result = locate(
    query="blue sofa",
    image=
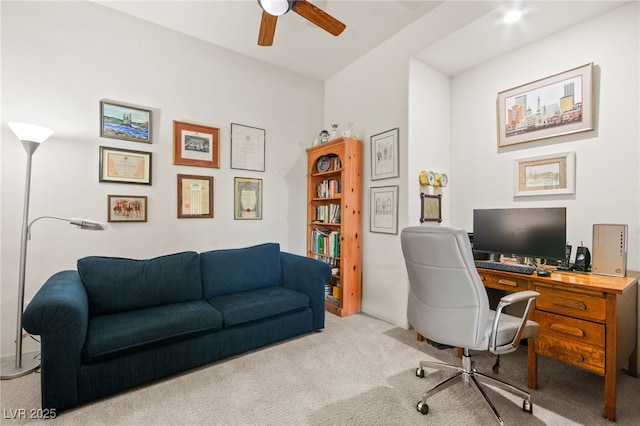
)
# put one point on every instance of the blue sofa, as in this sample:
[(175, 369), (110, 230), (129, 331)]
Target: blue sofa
[(118, 323)]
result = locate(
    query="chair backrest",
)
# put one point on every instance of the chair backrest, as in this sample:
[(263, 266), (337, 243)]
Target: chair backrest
[(447, 300)]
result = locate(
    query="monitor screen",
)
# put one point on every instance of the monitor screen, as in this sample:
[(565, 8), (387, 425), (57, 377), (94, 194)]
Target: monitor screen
[(531, 232)]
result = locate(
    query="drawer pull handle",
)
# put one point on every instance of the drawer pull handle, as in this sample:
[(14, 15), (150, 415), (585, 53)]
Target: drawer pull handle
[(567, 354), (567, 303), (508, 282), (565, 329)]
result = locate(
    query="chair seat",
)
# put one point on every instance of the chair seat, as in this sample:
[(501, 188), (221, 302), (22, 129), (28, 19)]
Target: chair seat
[(507, 329)]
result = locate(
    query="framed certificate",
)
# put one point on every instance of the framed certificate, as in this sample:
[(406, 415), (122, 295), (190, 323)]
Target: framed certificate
[(195, 197), (124, 166)]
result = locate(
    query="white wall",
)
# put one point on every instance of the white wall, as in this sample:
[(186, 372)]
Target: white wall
[(59, 59), (607, 187)]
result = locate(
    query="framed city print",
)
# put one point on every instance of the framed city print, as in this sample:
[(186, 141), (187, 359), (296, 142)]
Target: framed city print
[(549, 174), (196, 145), (430, 208), (124, 166), (552, 106), (247, 204), (195, 197), (384, 155), (247, 147), (126, 208), (125, 122), (384, 209)]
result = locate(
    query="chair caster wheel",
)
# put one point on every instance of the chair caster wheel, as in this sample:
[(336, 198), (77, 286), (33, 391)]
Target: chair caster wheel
[(527, 406), (420, 372), (422, 407)]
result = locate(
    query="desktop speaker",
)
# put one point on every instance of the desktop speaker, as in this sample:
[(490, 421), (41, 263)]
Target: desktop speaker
[(583, 259), (610, 250)]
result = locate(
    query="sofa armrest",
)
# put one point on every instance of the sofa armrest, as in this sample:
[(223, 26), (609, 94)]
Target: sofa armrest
[(59, 314), (307, 276)]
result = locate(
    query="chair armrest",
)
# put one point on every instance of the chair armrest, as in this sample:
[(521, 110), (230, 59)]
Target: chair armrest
[(307, 276), (528, 296)]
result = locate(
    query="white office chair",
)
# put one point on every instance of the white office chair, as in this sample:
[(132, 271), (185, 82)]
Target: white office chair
[(448, 304)]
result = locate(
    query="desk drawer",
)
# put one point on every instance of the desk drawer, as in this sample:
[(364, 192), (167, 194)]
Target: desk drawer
[(580, 355), (572, 304), (508, 283), (561, 327)]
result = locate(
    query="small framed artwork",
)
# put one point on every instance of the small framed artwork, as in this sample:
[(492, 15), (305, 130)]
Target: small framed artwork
[(247, 147), (550, 174), (125, 122), (430, 208), (126, 208), (247, 198), (196, 145), (195, 197), (384, 155), (384, 209), (552, 106), (124, 166)]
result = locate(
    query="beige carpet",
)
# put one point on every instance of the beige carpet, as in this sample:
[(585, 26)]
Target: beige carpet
[(358, 371)]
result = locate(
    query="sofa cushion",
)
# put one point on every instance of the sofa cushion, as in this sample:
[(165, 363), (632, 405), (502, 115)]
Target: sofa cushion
[(252, 305), (114, 335), (116, 284), (237, 270)]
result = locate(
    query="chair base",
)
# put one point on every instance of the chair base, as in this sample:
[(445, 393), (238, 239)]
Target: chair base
[(469, 375)]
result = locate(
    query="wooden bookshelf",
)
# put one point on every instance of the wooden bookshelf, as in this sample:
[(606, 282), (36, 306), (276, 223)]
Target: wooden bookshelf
[(334, 219)]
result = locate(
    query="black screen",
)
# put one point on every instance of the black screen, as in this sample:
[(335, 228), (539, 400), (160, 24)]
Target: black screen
[(532, 232)]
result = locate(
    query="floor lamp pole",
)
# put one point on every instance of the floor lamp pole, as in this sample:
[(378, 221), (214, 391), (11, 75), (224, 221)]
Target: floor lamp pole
[(21, 368)]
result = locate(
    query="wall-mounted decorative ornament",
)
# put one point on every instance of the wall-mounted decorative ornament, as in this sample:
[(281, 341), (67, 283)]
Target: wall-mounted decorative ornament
[(437, 180)]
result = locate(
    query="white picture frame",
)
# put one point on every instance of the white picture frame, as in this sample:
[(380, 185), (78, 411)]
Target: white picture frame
[(551, 174)]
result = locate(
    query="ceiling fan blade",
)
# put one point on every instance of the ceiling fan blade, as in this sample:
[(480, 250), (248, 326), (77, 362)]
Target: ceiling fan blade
[(318, 17), (267, 29)]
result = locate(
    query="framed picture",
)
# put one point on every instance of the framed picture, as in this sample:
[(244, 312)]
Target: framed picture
[(125, 122), (126, 208), (384, 155), (196, 145), (384, 209), (430, 208), (124, 166), (544, 175), (553, 106), (247, 147), (247, 202), (195, 197)]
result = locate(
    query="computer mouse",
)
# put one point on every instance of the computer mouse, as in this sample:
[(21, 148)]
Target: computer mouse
[(543, 273)]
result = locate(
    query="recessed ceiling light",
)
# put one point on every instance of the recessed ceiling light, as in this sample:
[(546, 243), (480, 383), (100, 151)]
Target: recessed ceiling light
[(513, 16)]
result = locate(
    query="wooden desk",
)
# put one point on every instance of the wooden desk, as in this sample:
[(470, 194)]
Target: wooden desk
[(586, 320)]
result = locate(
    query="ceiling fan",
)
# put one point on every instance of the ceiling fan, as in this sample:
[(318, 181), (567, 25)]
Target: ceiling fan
[(271, 9)]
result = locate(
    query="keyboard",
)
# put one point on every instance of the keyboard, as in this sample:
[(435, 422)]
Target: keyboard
[(507, 267)]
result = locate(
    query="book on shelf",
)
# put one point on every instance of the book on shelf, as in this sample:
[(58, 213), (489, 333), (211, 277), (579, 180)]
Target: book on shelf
[(325, 242), (328, 213), (328, 188)]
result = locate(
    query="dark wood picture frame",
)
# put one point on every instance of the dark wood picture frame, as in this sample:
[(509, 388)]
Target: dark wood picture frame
[(195, 197), (430, 208), (126, 208)]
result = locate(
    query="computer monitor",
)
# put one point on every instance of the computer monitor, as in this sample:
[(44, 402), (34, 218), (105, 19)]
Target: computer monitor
[(528, 232)]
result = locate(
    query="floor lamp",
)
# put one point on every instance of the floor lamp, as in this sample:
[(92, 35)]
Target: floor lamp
[(31, 137)]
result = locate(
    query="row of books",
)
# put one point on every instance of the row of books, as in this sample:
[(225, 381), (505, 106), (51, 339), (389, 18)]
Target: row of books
[(328, 213), (325, 242), (328, 188)]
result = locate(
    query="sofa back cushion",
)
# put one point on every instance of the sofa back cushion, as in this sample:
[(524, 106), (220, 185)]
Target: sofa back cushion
[(116, 284), (235, 270)]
